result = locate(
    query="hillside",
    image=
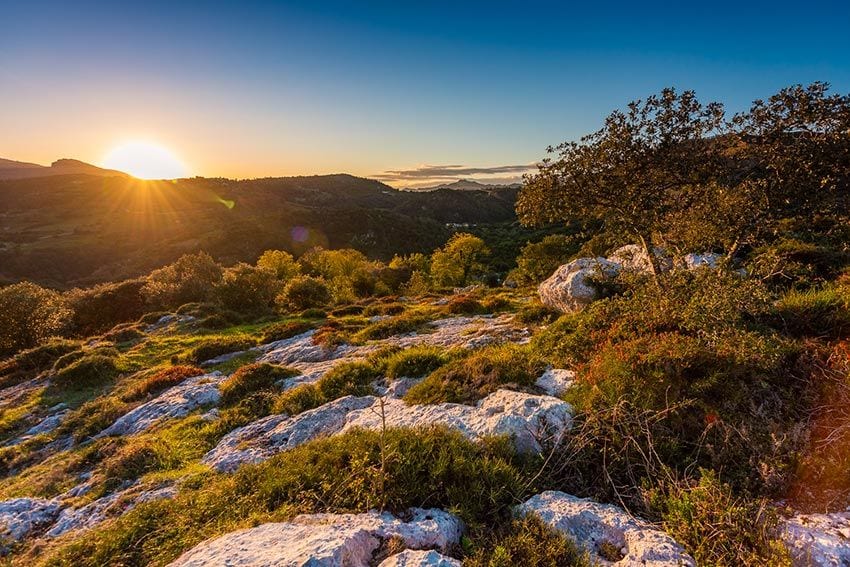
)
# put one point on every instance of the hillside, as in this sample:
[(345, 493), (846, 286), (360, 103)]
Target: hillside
[(10, 169), (81, 229)]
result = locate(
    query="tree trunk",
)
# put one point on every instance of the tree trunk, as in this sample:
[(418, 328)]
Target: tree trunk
[(653, 261)]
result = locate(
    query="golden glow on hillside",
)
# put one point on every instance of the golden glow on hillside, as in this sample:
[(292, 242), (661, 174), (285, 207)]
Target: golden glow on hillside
[(145, 160)]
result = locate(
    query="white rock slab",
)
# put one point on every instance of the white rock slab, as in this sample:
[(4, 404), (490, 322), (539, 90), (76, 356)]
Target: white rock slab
[(419, 558), (175, 402), (324, 540), (818, 540), (555, 381), (592, 525), (21, 516)]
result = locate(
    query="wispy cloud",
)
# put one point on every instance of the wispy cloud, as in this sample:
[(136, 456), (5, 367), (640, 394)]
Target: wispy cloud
[(435, 174)]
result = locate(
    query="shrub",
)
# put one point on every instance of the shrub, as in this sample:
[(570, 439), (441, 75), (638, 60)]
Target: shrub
[(252, 378), (130, 461), (483, 372), (313, 313), (464, 305), (280, 263), (539, 260), (415, 362), (393, 308), (348, 310), (45, 355), (396, 325), (213, 348), (191, 278), (159, 381), (536, 313), (102, 307), (124, 333), (281, 331), (29, 314), (718, 528), (821, 312), (494, 304), (434, 468), (298, 400), (529, 541), (246, 289), (347, 379), (303, 292), (89, 370), (460, 261)]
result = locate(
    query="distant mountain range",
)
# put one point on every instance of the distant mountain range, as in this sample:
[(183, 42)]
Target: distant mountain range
[(10, 169), (466, 185)]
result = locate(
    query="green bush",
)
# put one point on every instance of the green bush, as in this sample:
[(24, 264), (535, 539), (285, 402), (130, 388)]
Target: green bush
[(89, 370), (536, 313), (252, 378), (718, 528), (393, 308), (298, 400), (538, 260), (102, 307), (469, 379), (304, 292), (30, 314), (44, 355), (529, 541), (347, 379), (159, 381), (213, 348), (464, 305), (435, 468), (247, 289), (396, 325), (281, 331), (823, 312), (191, 278), (124, 333), (313, 313), (415, 362)]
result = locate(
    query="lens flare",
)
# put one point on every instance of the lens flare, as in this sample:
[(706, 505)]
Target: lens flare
[(145, 160)]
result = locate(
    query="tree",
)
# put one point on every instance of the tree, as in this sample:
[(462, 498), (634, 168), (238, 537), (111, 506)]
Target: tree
[(281, 263), (191, 278), (460, 260), (674, 172), (539, 259), (633, 172), (248, 289), (30, 314), (304, 292)]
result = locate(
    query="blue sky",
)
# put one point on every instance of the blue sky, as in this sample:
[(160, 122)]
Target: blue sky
[(277, 88)]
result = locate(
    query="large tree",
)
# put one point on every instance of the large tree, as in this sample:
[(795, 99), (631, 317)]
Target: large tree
[(674, 172)]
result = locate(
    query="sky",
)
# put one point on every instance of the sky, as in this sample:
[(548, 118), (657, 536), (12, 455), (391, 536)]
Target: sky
[(412, 93)]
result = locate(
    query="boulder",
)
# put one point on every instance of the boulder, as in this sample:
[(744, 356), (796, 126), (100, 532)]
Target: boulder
[(706, 260), (555, 381), (818, 540), (633, 258), (270, 435), (326, 540), (606, 532), (419, 558), (570, 288), (175, 402), (527, 418), (21, 516)]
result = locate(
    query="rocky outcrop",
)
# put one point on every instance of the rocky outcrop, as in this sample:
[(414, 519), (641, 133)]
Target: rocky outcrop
[(706, 260), (419, 558), (528, 419), (818, 540), (633, 258), (326, 540), (21, 516), (555, 381), (175, 402), (270, 435), (607, 533), (571, 287)]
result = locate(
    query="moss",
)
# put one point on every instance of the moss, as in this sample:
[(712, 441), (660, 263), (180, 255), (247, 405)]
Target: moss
[(469, 379), (251, 379), (89, 370)]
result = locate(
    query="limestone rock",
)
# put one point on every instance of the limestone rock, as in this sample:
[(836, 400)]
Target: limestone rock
[(634, 258), (707, 260), (270, 435), (325, 540), (20, 516), (570, 288), (527, 418), (419, 558), (175, 402), (555, 381), (602, 529), (818, 540)]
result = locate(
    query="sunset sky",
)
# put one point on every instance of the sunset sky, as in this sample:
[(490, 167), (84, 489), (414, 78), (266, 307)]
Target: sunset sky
[(412, 93)]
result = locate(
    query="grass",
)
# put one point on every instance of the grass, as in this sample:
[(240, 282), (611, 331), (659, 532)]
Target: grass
[(158, 381), (528, 541), (89, 370), (469, 379), (414, 362), (345, 379), (251, 379), (407, 322), (435, 468)]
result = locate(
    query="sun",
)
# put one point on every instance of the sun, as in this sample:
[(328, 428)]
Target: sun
[(145, 160)]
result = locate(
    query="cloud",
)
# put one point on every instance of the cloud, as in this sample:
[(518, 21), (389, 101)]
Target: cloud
[(435, 174)]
